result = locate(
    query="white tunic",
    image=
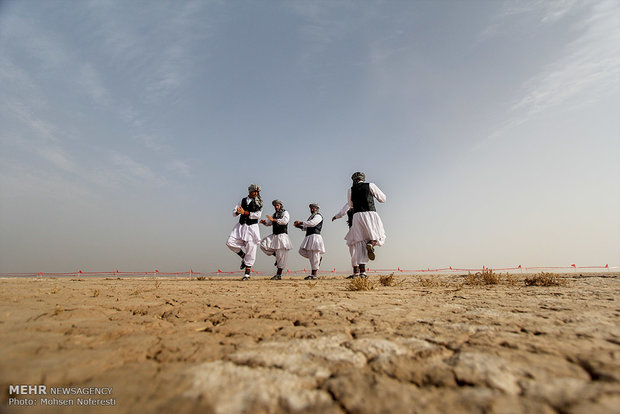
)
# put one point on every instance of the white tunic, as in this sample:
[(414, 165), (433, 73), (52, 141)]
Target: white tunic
[(312, 241), (367, 225), (245, 232), (278, 241)]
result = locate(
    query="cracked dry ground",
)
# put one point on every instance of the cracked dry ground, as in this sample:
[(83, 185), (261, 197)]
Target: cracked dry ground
[(223, 346)]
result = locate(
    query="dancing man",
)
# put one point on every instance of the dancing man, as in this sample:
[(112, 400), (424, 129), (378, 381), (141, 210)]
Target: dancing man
[(246, 234), (312, 246), (277, 244), (367, 230)]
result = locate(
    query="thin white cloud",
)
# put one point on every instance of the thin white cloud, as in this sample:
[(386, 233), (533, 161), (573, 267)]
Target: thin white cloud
[(59, 158), (40, 130), (133, 170), (90, 80), (11, 74), (322, 29), (37, 137), (35, 181), (152, 142), (587, 70), (179, 167), (158, 54), (538, 11), (546, 11)]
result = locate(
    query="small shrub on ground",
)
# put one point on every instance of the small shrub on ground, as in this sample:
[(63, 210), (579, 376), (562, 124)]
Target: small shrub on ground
[(511, 280), (486, 277), (424, 282), (544, 279), (387, 280), (360, 284)]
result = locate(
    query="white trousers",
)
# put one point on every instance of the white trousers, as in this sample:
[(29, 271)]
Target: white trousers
[(250, 248), (352, 254), (281, 255), (313, 255), (359, 254)]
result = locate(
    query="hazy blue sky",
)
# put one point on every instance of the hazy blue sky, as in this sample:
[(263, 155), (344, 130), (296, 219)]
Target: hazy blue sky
[(129, 129)]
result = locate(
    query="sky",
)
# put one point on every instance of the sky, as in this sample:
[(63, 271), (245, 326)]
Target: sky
[(129, 130)]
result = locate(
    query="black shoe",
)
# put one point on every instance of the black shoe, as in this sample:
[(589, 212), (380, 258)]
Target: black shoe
[(242, 265), (363, 275), (276, 277), (310, 277), (246, 277), (371, 251), (353, 276)]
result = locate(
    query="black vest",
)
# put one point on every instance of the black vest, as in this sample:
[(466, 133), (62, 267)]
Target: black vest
[(279, 228), (362, 198), (252, 208), (316, 229)]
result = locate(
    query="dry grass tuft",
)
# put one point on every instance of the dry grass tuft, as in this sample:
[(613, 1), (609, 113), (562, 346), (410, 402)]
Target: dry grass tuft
[(544, 279), (511, 280), (428, 282), (360, 283), (486, 277), (201, 278), (95, 293), (387, 280)]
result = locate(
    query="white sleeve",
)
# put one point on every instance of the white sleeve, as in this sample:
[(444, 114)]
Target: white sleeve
[(343, 211), (311, 223), (378, 194), (235, 214), (255, 215), (284, 220)]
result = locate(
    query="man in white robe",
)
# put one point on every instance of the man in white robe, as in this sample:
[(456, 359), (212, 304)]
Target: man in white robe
[(312, 246), (277, 244), (246, 234), (366, 230)]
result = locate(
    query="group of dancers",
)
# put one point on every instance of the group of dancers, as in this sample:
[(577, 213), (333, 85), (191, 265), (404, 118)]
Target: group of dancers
[(365, 230)]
